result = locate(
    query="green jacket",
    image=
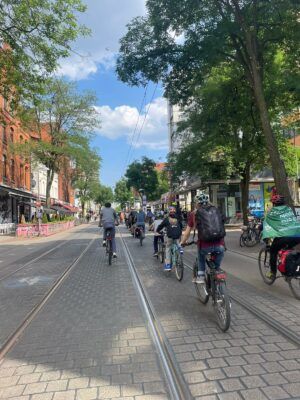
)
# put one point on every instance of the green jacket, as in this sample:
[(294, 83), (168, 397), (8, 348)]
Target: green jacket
[(281, 222)]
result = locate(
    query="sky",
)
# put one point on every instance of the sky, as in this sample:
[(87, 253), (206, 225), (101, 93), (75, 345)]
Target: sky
[(126, 134)]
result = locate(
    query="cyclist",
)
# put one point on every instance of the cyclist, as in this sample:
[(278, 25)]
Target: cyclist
[(108, 219), (154, 226), (174, 232), (205, 246), (282, 225), (140, 220)]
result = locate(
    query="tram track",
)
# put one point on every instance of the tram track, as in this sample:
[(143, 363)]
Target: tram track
[(16, 334), (276, 325), (174, 378)]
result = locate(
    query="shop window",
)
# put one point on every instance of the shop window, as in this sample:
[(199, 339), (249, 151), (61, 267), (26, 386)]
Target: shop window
[(12, 170), (4, 137), (4, 166)]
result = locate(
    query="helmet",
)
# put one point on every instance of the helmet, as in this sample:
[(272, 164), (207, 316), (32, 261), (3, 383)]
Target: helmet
[(277, 200), (202, 199)]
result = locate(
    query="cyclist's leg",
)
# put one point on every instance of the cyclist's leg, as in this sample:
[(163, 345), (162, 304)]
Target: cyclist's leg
[(155, 244), (219, 257), (202, 252), (169, 242), (277, 244)]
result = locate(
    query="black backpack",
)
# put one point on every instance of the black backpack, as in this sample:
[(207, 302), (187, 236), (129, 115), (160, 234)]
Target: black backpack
[(292, 264), (210, 224), (173, 229)]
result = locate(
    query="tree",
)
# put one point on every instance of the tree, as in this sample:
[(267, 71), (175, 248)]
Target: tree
[(103, 195), (247, 33), (142, 175), (34, 36), (63, 120), (122, 193), (163, 184), (224, 140), (86, 174)]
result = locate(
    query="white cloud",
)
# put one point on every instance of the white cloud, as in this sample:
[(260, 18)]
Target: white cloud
[(107, 19), (121, 122)]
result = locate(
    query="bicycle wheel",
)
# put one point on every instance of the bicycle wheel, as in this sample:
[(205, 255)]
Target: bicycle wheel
[(242, 244), (161, 253), (110, 253), (264, 265), (222, 306), (294, 284), (179, 268), (201, 290), (250, 238)]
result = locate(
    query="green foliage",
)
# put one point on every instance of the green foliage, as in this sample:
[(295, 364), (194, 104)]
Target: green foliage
[(44, 219), (104, 194), (122, 194), (63, 120), (142, 175), (163, 184), (37, 33)]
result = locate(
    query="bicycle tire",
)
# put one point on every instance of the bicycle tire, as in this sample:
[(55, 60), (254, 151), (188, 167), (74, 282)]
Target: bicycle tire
[(222, 306), (264, 265), (179, 267), (294, 284), (250, 238), (201, 290), (110, 253), (242, 244), (162, 255)]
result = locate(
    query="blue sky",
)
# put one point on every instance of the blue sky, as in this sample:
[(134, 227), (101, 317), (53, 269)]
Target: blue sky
[(118, 104)]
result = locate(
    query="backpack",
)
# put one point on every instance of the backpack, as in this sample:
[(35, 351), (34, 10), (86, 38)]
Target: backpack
[(173, 229), (282, 255), (210, 224), (292, 264)]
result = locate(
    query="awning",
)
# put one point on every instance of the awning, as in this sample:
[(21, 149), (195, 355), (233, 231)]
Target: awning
[(17, 192)]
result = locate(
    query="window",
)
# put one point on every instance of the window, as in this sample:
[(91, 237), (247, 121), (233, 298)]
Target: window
[(27, 178), (11, 135), (4, 166), (12, 170), (21, 175), (4, 137)]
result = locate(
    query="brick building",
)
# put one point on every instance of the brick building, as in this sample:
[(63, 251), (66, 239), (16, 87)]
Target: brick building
[(15, 193)]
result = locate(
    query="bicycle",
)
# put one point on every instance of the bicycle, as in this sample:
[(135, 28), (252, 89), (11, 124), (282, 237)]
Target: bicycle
[(251, 233), (161, 254), (139, 234), (108, 245), (176, 260), (265, 268), (215, 287)]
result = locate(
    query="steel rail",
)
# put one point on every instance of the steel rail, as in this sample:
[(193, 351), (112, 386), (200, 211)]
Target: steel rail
[(277, 326), (177, 386), (14, 337)]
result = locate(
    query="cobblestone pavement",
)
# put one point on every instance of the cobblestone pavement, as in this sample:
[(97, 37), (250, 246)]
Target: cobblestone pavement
[(90, 341), (250, 361)]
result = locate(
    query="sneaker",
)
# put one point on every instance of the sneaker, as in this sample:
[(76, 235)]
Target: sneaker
[(114, 255), (104, 243), (155, 255), (194, 279), (180, 250), (200, 279), (270, 275), (168, 267)]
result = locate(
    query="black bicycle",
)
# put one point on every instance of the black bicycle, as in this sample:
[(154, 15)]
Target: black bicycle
[(251, 233), (139, 234), (161, 254), (109, 251), (215, 287)]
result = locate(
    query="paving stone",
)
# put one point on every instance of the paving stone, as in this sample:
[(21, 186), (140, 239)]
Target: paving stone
[(121, 378), (33, 388), (214, 374), (42, 396), (7, 372), (275, 393), (205, 388), (291, 376), (56, 386), (194, 377), (132, 390), (78, 383), (253, 394), (152, 397), (253, 381), (9, 381), (107, 392), (154, 387), (12, 391), (292, 388), (140, 377), (191, 366), (87, 394), (232, 384), (67, 395), (274, 379), (216, 362), (230, 396)]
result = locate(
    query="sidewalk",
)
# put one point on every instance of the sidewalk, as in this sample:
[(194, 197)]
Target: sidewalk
[(89, 341)]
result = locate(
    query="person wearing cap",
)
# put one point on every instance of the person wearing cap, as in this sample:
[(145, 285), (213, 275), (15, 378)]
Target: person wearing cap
[(204, 248)]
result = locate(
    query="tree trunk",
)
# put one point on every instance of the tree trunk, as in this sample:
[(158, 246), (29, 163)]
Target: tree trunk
[(245, 192), (278, 168), (83, 207), (50, 177)]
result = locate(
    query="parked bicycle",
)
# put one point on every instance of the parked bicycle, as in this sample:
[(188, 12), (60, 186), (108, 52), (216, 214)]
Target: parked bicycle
[(287, 268), (214, 287), (251, 233)]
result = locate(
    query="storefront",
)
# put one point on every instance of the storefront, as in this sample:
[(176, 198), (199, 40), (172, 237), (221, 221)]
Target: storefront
[(15, 205), (227, 197)]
